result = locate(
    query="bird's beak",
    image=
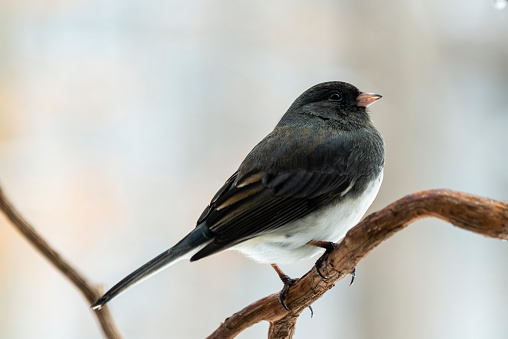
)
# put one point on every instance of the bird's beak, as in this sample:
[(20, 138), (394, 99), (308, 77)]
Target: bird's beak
[(365, 99)]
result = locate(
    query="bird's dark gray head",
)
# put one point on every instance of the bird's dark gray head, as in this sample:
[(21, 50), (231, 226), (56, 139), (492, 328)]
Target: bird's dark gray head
[(336, 101)]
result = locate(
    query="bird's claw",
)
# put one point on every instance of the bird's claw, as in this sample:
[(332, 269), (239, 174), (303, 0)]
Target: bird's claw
[(283, 293), (353, 275), (288, 282), (329, 247)]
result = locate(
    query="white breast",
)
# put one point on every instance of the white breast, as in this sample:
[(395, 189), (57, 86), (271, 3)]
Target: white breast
[(288, 243)]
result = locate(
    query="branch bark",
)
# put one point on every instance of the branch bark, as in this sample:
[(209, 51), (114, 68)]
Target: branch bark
[(476, 214), (90, 291)]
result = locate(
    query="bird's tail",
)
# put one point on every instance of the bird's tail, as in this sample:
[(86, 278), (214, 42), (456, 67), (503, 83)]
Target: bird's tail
[(188, 245)]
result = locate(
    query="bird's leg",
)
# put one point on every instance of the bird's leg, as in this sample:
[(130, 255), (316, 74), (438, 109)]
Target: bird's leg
[(287, 281), (329, 247)]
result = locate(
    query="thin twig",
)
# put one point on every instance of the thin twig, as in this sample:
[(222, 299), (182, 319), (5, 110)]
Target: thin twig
[(89, 290), (480, 215)]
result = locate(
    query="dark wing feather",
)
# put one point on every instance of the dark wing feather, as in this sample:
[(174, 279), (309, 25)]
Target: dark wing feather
[(260, 208)]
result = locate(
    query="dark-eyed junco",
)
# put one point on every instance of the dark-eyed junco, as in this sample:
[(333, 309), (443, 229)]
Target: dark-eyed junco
[(307, 183)]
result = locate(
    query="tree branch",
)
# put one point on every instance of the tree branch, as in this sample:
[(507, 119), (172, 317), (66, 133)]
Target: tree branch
[(89, 290), (480, 215)]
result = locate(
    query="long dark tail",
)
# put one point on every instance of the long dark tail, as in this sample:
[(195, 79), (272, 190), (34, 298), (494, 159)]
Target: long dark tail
[(199, 236)]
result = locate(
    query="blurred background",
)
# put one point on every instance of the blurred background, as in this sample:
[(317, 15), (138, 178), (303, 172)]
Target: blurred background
[(119, 120)]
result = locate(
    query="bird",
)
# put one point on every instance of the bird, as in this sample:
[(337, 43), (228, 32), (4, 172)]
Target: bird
[(300, 188)]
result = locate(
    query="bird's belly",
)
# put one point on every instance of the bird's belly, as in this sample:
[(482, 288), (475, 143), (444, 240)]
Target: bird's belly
[(289, 242)]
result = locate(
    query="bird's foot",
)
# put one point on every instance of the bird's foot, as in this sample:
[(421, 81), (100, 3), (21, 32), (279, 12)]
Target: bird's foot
[(329, 247), (288, 282)]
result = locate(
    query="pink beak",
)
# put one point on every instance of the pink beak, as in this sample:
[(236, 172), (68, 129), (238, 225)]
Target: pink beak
[(365, 99)]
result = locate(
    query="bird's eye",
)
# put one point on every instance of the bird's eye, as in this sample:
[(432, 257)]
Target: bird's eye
[(335, 97)]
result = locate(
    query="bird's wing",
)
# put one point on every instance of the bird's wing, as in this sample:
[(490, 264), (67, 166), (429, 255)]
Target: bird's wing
[(259, 201)]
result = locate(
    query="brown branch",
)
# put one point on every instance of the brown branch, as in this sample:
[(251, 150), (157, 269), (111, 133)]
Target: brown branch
[(480, 215), (89, 290), (284, 328)]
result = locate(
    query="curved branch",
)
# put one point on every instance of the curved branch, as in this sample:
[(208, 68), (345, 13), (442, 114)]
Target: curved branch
[(480, 215), (89, 290)]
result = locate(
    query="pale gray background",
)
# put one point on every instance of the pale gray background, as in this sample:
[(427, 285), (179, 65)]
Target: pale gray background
[(120, 119)]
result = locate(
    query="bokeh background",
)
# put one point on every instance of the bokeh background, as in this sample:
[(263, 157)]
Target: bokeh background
[(120, 119)]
